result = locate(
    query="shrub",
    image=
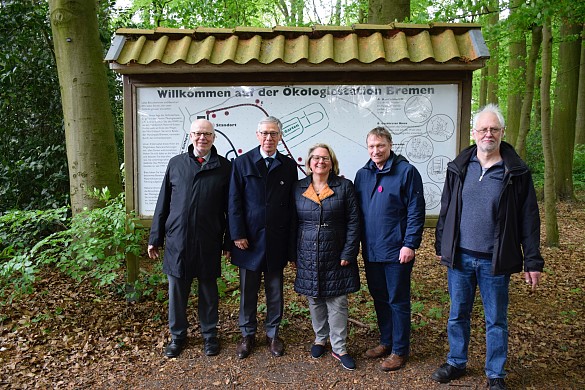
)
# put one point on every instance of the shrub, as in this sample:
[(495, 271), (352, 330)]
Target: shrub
[(93, 247)]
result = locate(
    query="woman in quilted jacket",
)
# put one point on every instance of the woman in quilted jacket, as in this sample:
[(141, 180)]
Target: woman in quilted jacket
[(327, 246)]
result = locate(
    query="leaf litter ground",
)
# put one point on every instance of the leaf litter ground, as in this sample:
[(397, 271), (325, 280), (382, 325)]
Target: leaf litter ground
[(70, 335)]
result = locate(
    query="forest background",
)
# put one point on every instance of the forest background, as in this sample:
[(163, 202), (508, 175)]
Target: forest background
[(56, 219)]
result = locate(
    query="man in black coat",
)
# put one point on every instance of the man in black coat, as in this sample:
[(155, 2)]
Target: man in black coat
[(260, 214), (190, 218)]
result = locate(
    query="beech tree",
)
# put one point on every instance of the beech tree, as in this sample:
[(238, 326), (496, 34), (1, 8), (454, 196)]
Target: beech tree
[(550, 212), (384, 11), (89, 126)]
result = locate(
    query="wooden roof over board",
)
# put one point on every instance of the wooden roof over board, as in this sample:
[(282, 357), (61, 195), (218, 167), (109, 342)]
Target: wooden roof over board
[(361, 47)]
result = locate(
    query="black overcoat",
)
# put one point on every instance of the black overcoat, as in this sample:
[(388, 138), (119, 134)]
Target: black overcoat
[(260, 210), (190, 216)]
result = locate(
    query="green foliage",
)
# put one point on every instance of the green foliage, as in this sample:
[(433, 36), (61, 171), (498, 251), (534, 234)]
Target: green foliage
[(33, 163), (93, 247), (579, 168)]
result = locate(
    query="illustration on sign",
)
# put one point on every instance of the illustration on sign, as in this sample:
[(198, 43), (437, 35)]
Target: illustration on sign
[(421, 119)]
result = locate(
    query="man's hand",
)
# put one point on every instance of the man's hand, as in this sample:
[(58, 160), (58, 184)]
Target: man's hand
[(406, 255), (242, 243), (153, 252), (344, 263), (227, 254), (532, 278)]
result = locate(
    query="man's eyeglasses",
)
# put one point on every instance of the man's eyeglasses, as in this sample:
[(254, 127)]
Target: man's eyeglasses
[(493, 130), (205, 134), (322, 158), (266, 134)]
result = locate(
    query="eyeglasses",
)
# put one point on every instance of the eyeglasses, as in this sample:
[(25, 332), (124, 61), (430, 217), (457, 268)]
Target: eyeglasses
[(266, 134), (321, 158), (205, 134), (493, 130)]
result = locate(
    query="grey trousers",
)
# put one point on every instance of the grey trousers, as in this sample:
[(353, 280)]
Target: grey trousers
[(207, 308), (329, 318), (249, 288)]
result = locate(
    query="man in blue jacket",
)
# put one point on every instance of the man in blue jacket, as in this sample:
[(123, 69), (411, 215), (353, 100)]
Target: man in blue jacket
[(488, 228), (260, 214), (392, 205), (190, 219)]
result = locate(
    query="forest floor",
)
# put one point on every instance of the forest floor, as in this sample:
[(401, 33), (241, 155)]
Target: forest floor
[(71, 335)]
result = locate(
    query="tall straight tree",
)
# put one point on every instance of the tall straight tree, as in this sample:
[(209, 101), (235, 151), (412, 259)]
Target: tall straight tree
[(530, 86), (493, 67), (580, 120), (550, 204), (385, 11), (565, 108), (89, 126), (516, 70)]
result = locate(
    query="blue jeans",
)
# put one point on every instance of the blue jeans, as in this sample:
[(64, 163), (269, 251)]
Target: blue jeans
[(389, 285), (466, 275)]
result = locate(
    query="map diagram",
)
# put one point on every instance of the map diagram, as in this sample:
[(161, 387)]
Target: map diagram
[(421, 119)]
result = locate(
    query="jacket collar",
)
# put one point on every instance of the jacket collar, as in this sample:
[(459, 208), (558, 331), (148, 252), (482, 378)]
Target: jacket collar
[(213, 161), (332, 181), (392, 160), (512, 161)]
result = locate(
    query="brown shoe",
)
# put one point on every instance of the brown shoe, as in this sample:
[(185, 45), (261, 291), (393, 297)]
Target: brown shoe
[(394, 362), (378, 352), (245, 346), (275, 346)]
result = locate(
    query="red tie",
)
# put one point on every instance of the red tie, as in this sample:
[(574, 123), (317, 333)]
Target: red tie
[(200, 160)]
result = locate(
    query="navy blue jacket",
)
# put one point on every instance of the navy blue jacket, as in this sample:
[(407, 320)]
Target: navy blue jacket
[(392, 207), (261, 209), (326, 234), (190, 216), (517, 227)]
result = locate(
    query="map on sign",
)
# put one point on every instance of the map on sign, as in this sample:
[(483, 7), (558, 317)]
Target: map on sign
[(421, 118)]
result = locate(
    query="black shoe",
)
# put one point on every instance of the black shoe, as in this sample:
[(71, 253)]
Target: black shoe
[(245, 346), (497, 384), (446, 373), (211, 346), (275, 346), (175, 347), (317, 350)]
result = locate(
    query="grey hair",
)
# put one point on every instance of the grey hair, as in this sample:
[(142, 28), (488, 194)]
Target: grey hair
[(494, 109), (380, 132), (270, 119)]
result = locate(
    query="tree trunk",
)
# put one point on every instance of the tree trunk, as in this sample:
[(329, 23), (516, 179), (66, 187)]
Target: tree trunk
[(483, 87), (550, 211), (388, 11), (565, 109), (580, 119), (528, 99), (89, 126), (516, 71), (494, 47)]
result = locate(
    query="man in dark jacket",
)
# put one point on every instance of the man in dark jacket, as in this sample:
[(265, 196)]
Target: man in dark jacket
[(488, 228), (391, 199), (190, 218), (260, 214)]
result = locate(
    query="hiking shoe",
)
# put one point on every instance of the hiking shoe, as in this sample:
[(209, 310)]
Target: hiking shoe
[(497, 384), (347, 361), (317, 350), (446, 373)]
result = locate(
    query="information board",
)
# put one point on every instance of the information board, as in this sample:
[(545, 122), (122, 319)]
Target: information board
[(422, 119)]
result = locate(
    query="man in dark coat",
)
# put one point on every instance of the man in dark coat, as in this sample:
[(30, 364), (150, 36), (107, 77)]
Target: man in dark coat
[(390, 193), (488, 228), (190, 218), (260, 202)]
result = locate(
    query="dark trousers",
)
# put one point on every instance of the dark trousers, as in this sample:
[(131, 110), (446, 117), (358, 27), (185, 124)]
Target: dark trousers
[(389, 285), (207, 308), (249, 287)]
